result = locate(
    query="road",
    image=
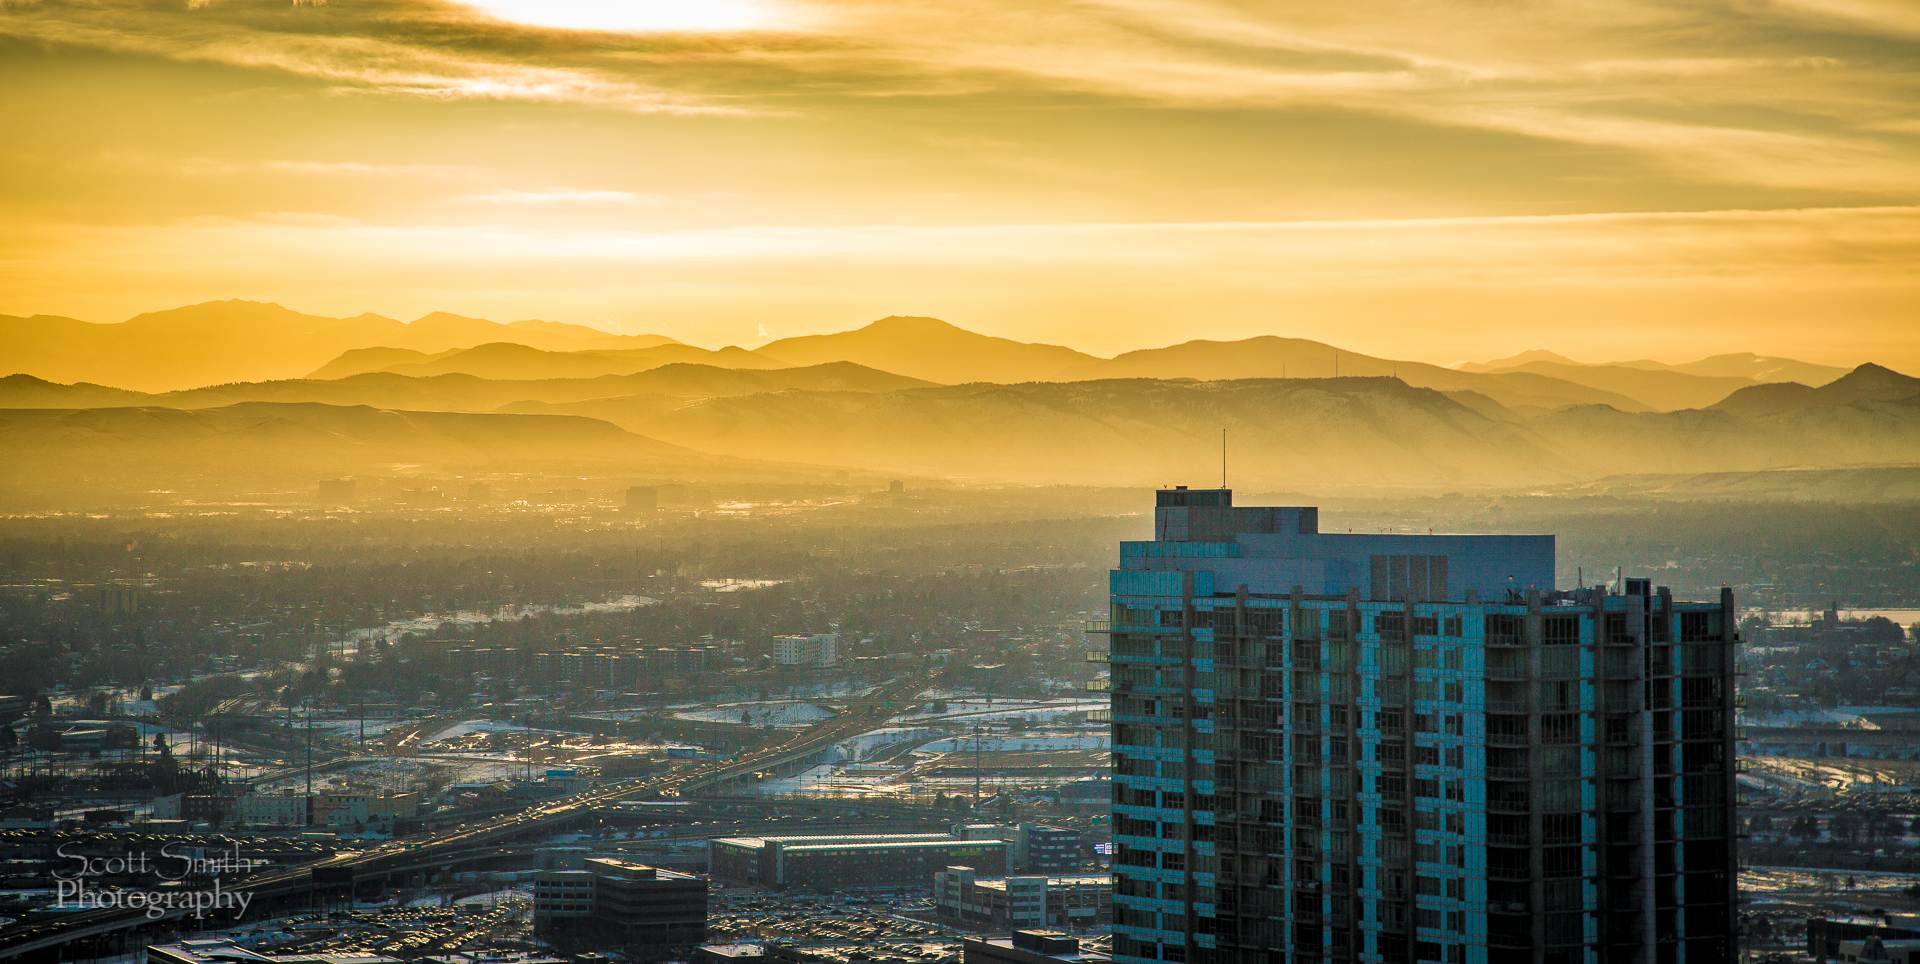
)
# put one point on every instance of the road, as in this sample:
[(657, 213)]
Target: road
[(431, 851)]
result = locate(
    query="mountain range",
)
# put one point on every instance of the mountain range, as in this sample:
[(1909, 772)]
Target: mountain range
[(241, 341), (903, 396), (228, 341)]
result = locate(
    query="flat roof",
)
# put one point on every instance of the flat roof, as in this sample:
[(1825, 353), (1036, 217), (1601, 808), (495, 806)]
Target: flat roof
[(801, 839), (1088, 956), (893, 845), (1068, 880)]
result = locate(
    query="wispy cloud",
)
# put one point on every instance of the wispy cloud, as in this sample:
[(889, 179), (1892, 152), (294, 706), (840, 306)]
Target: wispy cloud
[(1793, 94), (381, 47), (218, 167), (563, 197)]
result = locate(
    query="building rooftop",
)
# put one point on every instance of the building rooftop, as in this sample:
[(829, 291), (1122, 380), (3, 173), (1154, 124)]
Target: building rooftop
[(893, 844), (1273, 549), (621, 868), (219, 950), (1060, 880), (1053, 945), (794, 839)]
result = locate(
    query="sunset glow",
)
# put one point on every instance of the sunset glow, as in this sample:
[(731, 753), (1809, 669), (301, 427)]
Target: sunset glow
[(631, 15), (1404, 179)]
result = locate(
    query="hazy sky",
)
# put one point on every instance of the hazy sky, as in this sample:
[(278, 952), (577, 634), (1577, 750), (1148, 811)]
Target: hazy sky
[(1441, 180)]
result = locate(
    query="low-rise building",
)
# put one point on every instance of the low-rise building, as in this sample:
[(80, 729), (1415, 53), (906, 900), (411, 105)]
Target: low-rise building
[(1028, 947), (361, 809), (819, 650), (619, 900), (219, 950), (1873, 950), (1000, 903), (729, 954), (824, 862), (271, 810), (1827, 935), (1049, 850)]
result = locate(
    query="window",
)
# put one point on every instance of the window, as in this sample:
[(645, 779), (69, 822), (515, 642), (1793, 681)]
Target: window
[(1504, 630), (1561, 630)]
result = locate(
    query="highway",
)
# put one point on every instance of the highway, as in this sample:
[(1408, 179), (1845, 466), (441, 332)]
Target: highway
[(434, 850)]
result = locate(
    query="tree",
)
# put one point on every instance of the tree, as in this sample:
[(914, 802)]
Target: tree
[(9, 740)]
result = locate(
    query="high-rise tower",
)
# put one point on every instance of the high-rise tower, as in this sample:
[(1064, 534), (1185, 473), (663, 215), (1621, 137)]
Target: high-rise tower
[(1337, 747)]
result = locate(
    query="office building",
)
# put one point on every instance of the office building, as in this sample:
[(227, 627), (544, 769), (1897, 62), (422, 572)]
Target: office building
[(1048, 850), (1340, 747), (1827, 936), (817, 651), (618, 900), (220, 950), (1075, 901), (826, 862), (272, 810), (1027, 947)]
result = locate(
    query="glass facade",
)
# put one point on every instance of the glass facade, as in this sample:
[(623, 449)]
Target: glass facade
[(1538, 776)]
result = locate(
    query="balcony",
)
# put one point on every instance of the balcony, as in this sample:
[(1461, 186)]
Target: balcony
[(1509, 738), (1515, 800), (1099, 627), (1097, 656), (1101, 685)]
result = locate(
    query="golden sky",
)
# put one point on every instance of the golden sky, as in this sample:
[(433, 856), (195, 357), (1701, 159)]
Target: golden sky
[(1425, 179)]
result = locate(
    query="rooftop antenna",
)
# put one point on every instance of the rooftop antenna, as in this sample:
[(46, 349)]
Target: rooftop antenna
[(1223, 458)]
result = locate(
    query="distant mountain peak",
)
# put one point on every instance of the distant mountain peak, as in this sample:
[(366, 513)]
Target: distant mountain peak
[(914, 323), (1528, 357), (1874, 370), (1874, 380)]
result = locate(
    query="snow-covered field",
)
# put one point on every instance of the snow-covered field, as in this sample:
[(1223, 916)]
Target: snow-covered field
[(470, 727), (1063, 741), (785, 714), (980, 709)]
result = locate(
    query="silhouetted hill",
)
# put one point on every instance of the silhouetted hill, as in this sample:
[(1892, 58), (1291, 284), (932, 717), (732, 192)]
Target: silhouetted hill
[(1515, 361), (1867, 383), (1357, 433), (931, 349), (1664, 389), (132, 450), (519, 362), (681, 378), (513, 361), (677, 382), (26, 391), (1376, 433), (1870, 416), (1269, 356), (225, 341), (361, 361), (1755, 368)]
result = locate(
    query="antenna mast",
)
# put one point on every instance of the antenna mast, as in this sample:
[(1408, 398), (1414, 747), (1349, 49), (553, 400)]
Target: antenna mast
[(1223, 458)]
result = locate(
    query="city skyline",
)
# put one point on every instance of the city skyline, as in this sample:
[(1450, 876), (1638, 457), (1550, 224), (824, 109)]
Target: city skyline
[(1563, 177)]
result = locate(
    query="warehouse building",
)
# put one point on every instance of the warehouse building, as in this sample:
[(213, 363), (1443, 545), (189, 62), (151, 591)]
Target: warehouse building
[(826, 862)]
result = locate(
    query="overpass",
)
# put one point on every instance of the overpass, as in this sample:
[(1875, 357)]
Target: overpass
[(484, 839)]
